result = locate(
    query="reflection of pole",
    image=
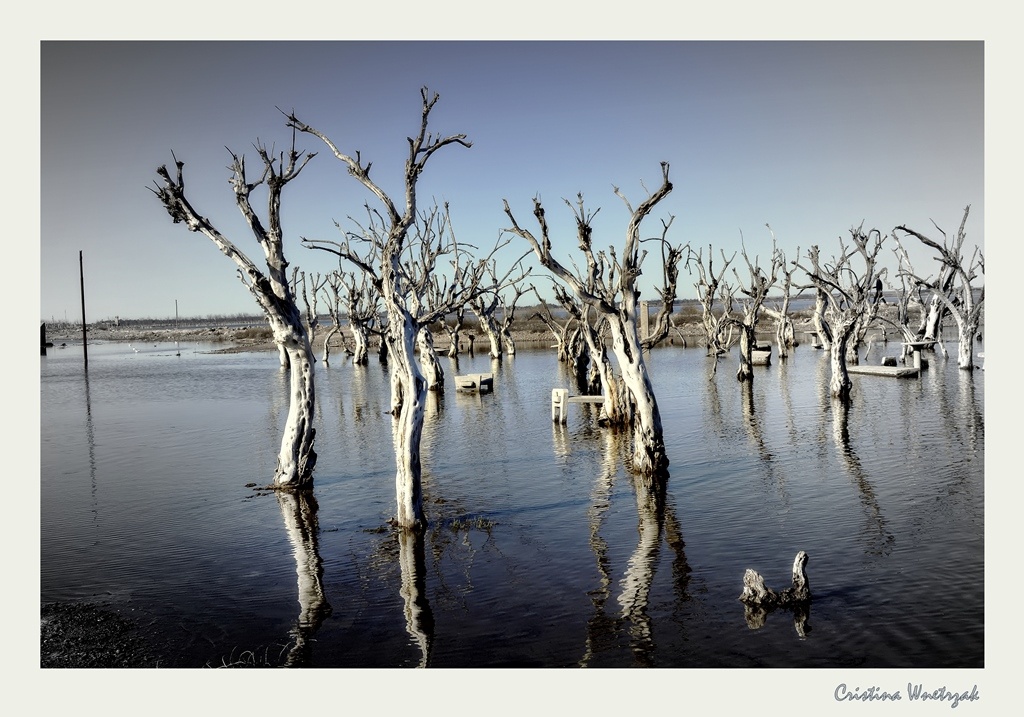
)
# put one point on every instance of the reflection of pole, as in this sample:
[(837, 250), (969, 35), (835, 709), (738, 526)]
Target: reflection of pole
[(81, 279), (419, 619), (91, 438)]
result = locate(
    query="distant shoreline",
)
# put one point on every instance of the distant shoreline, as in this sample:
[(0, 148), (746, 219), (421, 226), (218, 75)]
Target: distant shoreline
[(249, 338)]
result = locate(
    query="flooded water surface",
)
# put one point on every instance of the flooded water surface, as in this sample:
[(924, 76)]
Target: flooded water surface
[(541, 550)]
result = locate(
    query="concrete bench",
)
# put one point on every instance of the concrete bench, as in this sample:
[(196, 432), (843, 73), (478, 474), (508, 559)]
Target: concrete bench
[(475, 382), (761, 355), (560, 400)]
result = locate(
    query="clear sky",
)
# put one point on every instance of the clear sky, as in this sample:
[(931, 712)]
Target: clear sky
[(811, 137)]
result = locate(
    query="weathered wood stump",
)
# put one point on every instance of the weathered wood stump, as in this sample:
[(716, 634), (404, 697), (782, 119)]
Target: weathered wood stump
[(756, 593), (758, 600)]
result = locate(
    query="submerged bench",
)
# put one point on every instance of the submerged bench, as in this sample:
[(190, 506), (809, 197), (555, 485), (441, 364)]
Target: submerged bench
[(560, 400), (475, 382), (889, 366)]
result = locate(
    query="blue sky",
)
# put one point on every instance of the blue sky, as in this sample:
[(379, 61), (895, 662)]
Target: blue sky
[(810, 137)]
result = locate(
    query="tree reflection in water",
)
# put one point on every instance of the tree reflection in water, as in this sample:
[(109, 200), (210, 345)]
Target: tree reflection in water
[(879, 538), (757, 615), (419, 620), (655, 519), (299, 510)]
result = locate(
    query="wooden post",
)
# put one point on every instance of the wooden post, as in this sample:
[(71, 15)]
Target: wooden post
[(42, 339), (645, 320), (85, 336)]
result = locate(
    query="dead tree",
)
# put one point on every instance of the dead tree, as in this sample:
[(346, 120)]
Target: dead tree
[(484, 307), (454, 329), (756, 291), (848, 293), (362, 302), (600, 378), (785, 334), (561, 332), (508, 316), (391, 229), (332, 293), (608, 285), (670, 257), (312, 313), (819, 318), (908, 293), (958, 294), (713, 291), (866, 320), (296, 458)]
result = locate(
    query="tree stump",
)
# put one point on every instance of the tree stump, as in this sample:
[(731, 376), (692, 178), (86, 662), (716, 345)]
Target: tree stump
[(756, 593), (758, 599)]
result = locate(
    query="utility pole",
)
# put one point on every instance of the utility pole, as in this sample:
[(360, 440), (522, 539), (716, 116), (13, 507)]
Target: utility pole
[(85, 337)]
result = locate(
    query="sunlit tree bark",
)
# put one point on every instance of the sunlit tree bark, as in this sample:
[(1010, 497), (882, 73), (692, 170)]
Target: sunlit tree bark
[(296, 458)]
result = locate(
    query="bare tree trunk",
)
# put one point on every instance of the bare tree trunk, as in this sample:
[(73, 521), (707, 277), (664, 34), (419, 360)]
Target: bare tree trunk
[(649, 455), (612, 410), (361, 344), (490, 328), (334, 331), (820, 323), (745, 371), (296, 458), (453, 332), (968, 330), (432, 370), (839, 384), (407, 426), (508, 342)]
